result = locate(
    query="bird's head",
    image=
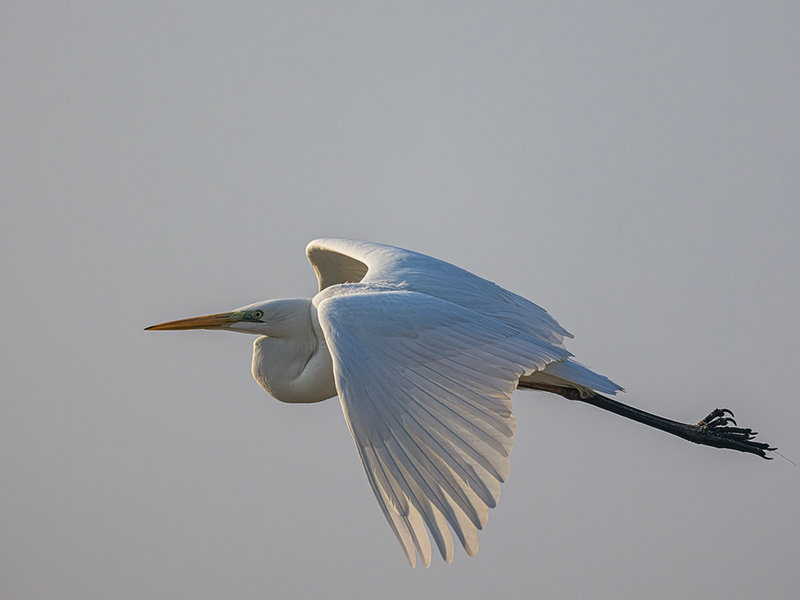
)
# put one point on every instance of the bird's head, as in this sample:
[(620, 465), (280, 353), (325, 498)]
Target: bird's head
[(262, 318)]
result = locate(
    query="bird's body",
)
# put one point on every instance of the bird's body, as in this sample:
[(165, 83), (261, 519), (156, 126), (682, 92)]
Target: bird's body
[(424, 357)]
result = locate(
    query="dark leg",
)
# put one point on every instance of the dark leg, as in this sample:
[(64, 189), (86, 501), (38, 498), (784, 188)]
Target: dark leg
[(713, 430)]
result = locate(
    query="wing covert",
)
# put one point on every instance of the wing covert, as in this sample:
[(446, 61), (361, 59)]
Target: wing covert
[(337, 261)]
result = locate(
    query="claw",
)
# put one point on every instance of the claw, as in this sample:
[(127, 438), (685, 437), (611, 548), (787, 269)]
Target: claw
[(717, 413), (720, 422), (716, 431)]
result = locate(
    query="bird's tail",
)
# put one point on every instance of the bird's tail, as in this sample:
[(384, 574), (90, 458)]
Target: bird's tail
[(571, 375)]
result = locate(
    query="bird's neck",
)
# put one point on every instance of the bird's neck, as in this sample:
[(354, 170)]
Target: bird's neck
[(293, 363)]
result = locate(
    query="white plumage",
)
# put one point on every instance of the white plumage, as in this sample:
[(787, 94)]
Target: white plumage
[(424, 357)]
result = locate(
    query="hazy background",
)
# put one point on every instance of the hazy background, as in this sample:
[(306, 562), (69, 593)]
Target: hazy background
[(632, 167)]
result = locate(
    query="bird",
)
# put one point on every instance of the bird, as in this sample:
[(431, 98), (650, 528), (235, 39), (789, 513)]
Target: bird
[(424, 357)]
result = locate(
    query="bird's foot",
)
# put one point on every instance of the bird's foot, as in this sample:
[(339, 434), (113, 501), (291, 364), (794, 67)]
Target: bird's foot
[(715, 430)]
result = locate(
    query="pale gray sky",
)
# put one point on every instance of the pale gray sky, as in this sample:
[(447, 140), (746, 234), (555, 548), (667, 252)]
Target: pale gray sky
[(630, 166)]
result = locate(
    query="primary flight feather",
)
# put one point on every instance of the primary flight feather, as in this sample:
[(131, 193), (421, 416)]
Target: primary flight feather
[(424, 357)]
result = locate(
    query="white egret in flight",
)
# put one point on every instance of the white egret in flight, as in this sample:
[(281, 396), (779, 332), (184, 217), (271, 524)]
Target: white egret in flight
[(424, 357)]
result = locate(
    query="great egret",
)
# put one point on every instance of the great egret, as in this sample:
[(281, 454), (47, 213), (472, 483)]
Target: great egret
[(424, 357)]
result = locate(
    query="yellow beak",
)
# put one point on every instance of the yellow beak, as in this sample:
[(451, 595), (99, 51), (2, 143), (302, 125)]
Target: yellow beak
[(207, 322)]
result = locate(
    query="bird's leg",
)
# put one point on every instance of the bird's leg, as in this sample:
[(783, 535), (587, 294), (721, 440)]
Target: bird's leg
[(713, 430)]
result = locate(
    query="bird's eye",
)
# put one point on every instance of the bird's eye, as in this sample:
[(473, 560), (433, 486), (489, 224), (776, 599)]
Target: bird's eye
[(257, 314)]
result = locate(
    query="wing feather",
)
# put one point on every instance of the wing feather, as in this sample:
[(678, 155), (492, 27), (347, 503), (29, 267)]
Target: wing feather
[(398, 519), (461, 456), (431, 466), (425, 387)]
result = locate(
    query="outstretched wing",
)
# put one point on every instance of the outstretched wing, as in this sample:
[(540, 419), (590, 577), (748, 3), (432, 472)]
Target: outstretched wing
[(346, 261), (425, 386)]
